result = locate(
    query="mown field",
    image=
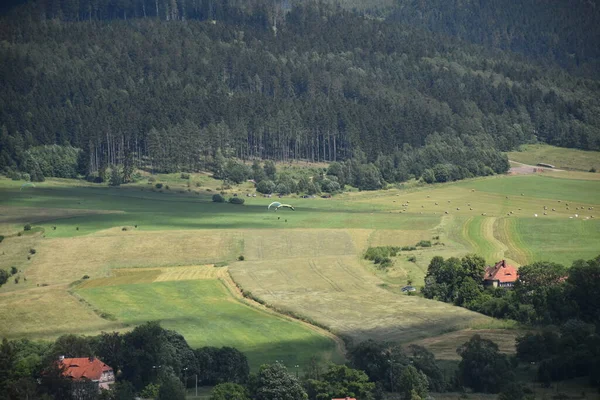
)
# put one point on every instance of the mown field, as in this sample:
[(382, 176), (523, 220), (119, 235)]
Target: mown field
[(143, 250)]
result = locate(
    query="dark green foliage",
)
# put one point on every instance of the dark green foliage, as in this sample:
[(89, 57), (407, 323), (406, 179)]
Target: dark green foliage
[(229, 391), (273, 382), (158, 185), (241, 258), (265, 187), (27, 227), (171, 388), (270, 169), (32, 251), (217, 198), (218, 365), (52, 160), (384, 363), (236, 200), (516, 391), (115, 176), (149, 349), (424, 361), (191, 119), (184, 175), (13, 270), (339, 381), (1, 238), (412, 382), (3, 276), (482, 367), (381, 255), (583, 290), (455, 281), (424, 243), (552, 32)]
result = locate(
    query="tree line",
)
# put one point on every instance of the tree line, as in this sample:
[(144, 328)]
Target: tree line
[(154, 363), (325, 85)]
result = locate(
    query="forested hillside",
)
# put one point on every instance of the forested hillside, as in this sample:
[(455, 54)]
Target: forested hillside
[(566, 32), (169, 83)]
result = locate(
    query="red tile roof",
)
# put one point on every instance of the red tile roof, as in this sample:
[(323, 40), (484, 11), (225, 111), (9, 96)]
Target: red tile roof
[(88, 368), (501, 272)]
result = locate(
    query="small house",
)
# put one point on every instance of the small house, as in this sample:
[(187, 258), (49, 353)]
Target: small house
[(500, 275), (88, 369)]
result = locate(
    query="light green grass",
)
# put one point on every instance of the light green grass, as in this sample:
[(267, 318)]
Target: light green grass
[(206, 315), (560, 157), (312, 264)]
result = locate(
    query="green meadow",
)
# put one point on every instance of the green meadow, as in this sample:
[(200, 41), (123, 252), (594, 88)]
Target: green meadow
[(206, 314), (307, 262)]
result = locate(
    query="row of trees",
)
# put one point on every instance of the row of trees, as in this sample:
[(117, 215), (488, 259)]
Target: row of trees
[(169, 95), (152, 362)]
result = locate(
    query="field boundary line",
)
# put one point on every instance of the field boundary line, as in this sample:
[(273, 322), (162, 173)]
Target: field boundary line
[(238, 294)]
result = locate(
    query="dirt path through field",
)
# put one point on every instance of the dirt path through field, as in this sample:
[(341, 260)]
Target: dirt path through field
[(525, 169)]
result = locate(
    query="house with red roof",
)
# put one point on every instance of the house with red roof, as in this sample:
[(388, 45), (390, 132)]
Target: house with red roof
[(500, 275), (90, 369)]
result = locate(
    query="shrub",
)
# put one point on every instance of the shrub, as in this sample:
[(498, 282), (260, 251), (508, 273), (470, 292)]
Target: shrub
[(1, 238), (85, 277), (17, 279), (241, 258), (409, 248), (158, 185), (412, 259), (13, 270), (32, 251), (27, 227), (217, 198), (152, 179), (19, 233), (124, 228), (265, 187), (236, 200), (184, 175), (424, 243), (167, 187), (593, 169)]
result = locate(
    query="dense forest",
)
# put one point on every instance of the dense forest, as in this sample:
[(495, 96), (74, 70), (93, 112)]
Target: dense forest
[(166, 84)]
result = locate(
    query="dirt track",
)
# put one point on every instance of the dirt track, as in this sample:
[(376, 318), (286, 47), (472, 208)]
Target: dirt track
[(524, 169)]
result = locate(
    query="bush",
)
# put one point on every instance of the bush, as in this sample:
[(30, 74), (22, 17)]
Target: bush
[(167, 187), (85, 277), (184, 175), (593, 169), (217, 198), (236, 200), (1, 238), (412, 259), (241, 258), (32, 251), (27, 227), (13, 270), (158, 185), (151, 179), (424, 243), (265, 187)]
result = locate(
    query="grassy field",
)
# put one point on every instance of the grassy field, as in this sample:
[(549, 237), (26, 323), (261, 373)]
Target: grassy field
[(205, 313), (137, 243), (571, 159)]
